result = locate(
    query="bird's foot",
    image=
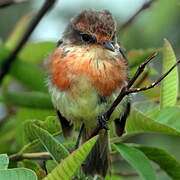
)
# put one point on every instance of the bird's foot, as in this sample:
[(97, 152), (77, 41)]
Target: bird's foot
[(103, 121)]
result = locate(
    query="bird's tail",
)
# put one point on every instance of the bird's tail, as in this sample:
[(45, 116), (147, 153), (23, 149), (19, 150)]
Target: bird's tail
[(98, 160)]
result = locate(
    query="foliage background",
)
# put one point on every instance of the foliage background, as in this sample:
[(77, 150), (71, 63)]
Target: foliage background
[(147, 31)]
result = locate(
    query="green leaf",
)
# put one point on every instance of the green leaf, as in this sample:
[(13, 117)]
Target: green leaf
[(36, 52), (30, 75), (51, 124), (169, 116), (169, 89), (50, 165), (165, 160), (7, 134), (30, 164), (28, 99), (123, 138), (138, 160), (139, 123), (152, 112), (25, 114), (145, 106), (68, 167), (113, 177), (137, 56), (17, 174), (18, 31), (4, 161), (28, 128), (32, 113), (29, 134), (34, 145), (56, 149)]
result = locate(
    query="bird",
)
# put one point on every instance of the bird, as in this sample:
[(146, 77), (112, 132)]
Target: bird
[(86, 72)]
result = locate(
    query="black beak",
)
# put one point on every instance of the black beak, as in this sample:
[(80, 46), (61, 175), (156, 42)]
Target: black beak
[(108, 45)]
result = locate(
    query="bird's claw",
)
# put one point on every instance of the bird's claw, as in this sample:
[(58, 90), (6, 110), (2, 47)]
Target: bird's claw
[(103, 122)]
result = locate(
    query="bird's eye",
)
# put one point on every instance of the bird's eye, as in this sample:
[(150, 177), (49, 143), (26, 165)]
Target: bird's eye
[(87, 38)]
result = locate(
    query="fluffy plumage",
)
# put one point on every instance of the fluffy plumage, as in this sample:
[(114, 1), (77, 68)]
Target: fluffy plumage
[(99, 24), (85, 77)]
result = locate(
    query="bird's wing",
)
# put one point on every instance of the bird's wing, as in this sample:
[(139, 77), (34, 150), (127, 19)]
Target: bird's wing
[(66, 125), (120, 122)]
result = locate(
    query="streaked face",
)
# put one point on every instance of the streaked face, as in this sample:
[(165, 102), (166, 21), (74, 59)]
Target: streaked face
[(92, 28)]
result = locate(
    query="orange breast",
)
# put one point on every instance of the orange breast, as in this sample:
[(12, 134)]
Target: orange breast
[(106, 74)]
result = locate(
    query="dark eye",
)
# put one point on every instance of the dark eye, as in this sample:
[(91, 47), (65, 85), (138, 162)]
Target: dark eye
[(87, 38)]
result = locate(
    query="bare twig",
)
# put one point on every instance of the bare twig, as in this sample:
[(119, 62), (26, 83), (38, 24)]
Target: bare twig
[(8, 62), (143, 78), (6, 3), (135, 90), (35, 156), (141, 69), (9, 3), (126, 90), (145, 6)]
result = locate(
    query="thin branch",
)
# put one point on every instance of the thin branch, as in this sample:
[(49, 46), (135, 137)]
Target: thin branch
[(136, 90), (34, 156), (145, 6), (143, 78), (141, 69), (126, 90), (9, 3), (8, 62)]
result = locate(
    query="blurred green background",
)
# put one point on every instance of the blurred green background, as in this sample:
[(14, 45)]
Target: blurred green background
[(148, 30)]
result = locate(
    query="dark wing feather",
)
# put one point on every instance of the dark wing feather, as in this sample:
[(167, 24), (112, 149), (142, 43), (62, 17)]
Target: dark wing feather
[(66, 126), (120, 122)]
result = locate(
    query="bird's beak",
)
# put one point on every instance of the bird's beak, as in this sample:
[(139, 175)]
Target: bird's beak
[(108, 45)]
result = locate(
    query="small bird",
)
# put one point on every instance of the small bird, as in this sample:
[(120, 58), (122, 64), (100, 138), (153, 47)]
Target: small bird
[(87, 70)]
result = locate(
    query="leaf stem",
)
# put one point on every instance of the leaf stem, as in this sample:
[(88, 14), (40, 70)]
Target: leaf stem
[(34, 156)]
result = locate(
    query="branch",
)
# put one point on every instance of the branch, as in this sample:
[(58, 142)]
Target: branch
[(145, 6), (8, 62), (34, 156), (126, 90), (141, 69), (9, 3), (143, 78), (136, 90)]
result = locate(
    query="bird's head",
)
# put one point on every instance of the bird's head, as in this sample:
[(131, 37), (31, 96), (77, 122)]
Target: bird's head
[(92, 28)]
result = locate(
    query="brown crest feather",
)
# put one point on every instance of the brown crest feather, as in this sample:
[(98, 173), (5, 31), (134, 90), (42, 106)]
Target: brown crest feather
[(99, 24)]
